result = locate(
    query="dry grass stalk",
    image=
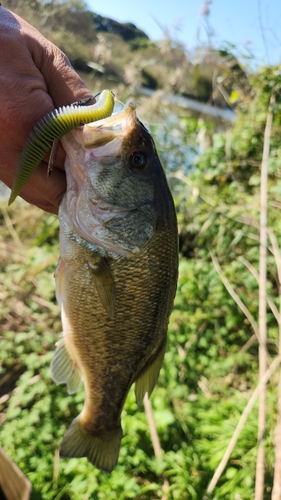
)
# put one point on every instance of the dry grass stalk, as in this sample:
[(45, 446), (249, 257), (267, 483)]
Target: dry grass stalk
[(260, 466), (276, 491), (234, 295), (10, 225), (240, 425), (155, 439), (255, 273)]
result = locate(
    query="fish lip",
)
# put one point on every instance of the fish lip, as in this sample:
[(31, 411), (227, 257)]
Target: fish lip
[(115, 119), (100, 133)]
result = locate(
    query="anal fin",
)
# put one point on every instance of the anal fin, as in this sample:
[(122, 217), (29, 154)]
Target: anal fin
[(63, 370), (147, 380)]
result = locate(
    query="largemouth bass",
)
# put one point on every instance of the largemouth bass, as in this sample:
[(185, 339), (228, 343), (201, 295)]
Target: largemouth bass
[(116, 277)]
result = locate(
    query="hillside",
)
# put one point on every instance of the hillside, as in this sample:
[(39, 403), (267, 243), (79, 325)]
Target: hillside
[(121, 55)]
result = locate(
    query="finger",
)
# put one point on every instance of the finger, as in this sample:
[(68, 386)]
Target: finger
[(44, 192)]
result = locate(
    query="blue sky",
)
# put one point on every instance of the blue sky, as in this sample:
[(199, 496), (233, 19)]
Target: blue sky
[(252, 24)]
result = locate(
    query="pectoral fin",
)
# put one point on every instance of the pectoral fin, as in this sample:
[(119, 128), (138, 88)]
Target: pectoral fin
[(105, 286), (146, 382), (59, 277), (63, 369)]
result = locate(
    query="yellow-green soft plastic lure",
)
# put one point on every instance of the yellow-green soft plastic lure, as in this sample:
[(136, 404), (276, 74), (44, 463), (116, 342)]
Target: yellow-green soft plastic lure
[(52, 127)]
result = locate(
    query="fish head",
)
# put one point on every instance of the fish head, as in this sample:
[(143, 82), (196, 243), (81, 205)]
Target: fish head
[(115, 183)]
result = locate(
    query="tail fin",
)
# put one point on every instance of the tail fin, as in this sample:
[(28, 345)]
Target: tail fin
[(102, 452)]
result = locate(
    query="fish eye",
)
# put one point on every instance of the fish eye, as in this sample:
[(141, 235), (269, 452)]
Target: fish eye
[(138, 159)]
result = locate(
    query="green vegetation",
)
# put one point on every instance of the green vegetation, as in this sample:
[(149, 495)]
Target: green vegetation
[(211, 365)]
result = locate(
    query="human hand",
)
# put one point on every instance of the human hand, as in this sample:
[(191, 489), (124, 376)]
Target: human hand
[(35, 78)]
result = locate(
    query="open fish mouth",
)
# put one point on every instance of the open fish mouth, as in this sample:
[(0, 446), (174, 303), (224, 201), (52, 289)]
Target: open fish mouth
[(101, 132)]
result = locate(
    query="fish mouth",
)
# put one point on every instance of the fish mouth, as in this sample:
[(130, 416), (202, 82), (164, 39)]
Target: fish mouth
[(102, 132)]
